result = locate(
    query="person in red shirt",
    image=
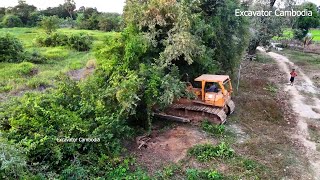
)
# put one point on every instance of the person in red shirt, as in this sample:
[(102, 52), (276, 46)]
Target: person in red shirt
[(293, 75)]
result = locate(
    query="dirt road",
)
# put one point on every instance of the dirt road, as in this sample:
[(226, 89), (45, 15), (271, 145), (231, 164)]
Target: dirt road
[(306, 105)]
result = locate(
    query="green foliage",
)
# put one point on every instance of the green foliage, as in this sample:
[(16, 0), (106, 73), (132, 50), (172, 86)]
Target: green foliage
[(88, 19), (250, 164), (37, 82), (50, 24), (271, 88), (264, 28), (54, 39), (213, 129), (11, 21), (26, 69), (70, 111), (34, 57), (207, 152), (79, 42), (12, 160), (304, 23), (59, 11), (109, 22), (11, 49), (70, 6), (194, 174)]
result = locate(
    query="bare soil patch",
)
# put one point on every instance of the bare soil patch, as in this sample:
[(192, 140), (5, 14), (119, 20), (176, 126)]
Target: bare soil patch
[(80, 74), (169, 146)]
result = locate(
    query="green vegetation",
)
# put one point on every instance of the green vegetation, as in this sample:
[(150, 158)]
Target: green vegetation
[(194, 174), (304, 23), (50, 24), (288, 34), (303, 59), (50, 61), (206, 152), (213, 128), (64, 15), (79, 42), (136, 70), (263, 58), (11, 49)]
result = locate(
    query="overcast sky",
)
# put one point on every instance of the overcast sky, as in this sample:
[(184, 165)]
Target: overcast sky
[(101, 5)]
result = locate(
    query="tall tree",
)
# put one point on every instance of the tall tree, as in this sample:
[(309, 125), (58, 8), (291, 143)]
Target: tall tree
[(23, 11), (263, 28), (304, 23), (70, 6)]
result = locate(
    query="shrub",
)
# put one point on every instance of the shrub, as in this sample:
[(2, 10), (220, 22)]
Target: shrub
[(213, 128), (11, 49), (80, 42), (10, 21), (38, 83), (194, 174), (12, 160), (55, 39), (26, 68), (34, 57), (206, 152)]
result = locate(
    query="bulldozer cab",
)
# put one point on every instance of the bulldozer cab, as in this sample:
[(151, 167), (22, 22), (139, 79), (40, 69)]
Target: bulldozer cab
[(218, 97)]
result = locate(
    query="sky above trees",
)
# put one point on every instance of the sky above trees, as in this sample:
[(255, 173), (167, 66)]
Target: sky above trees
[(101, 5)]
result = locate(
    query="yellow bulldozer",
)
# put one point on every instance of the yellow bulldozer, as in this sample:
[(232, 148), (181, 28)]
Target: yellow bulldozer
[(211, 105)]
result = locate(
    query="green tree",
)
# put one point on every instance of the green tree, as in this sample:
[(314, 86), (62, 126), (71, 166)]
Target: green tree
[(88, 18), (50, 23), (70, 6), (59, 11), (109, 22), (23, 11), (11, 21), (264, 28), (304, 23)]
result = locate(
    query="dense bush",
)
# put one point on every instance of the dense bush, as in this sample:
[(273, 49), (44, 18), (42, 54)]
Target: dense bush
[(36, 121), (12, 160), (11, 21), (55, 39), (34, 57), (79, 42), (26, 69), (11, 49)]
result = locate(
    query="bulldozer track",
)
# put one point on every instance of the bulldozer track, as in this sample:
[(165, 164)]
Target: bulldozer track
[(202, 108)]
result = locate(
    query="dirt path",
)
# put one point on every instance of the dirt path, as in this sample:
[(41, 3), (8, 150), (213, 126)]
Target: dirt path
[(307, 107)]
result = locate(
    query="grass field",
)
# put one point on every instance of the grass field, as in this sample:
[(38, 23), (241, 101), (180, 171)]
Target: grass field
[(60, 60), (312, 61), (288, 34)]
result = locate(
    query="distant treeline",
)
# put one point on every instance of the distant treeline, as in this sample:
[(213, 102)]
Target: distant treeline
[(25, 15)]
